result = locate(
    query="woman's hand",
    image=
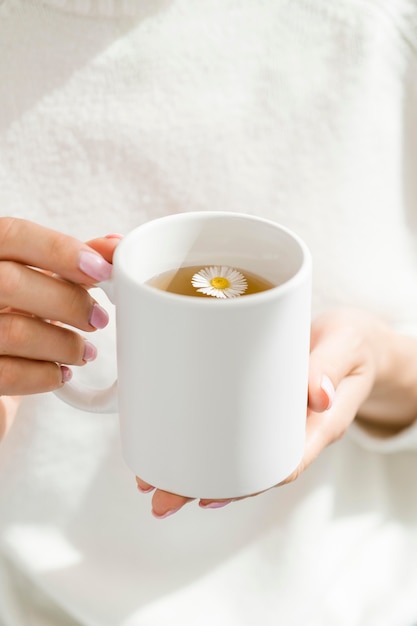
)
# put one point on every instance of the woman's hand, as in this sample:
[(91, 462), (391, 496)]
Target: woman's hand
[(359, 367), (42, 278)]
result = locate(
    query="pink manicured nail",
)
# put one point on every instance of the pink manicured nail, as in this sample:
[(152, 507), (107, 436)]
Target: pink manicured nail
[(327, 386), (214, 505), (148, 490), (90, 352), (65, 373), (94, 265), (99, 317), (167, 514)]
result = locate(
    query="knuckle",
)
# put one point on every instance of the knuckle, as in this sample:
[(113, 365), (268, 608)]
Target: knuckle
[(10, 277), (53, 377), (9, 375), (79, 303), (7, 226), (13, 333), (56, 245), (21, 377)]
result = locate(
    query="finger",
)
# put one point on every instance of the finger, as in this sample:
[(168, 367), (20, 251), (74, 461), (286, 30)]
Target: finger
[(20, 377), (326, 428), (323, 429), (8, 409), (47, 297), (165, 504), (143, 486), (32, 338), (335, 354), (219, 504), (31, 244), (106, 246), (214, 504)]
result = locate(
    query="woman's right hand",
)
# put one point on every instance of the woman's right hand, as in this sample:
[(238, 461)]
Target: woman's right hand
[(43, 275)]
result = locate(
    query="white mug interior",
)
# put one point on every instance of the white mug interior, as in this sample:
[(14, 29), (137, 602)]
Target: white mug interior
[(212, 238)]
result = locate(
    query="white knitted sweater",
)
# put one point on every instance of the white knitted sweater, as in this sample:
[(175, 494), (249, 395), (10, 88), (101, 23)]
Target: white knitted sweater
[(113, 112)]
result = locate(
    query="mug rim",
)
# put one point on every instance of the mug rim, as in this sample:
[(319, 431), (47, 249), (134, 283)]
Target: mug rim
[(303, 271)]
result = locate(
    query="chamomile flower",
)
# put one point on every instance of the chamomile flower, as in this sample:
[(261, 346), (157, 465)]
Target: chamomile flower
[(220, 281)]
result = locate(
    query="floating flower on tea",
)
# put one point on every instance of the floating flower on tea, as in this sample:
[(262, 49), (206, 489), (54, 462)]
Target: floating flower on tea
[(220, 282)]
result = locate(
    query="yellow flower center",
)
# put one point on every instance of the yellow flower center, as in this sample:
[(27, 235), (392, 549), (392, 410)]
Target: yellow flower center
[(219, 282)]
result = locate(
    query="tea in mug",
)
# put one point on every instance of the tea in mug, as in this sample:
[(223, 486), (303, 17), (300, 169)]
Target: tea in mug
[(219, 281)]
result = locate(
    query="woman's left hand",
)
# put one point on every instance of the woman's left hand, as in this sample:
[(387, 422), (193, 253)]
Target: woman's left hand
[(359, 368)]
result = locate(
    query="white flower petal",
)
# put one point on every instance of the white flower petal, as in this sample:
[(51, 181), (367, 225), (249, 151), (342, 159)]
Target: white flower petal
[(237, 283)]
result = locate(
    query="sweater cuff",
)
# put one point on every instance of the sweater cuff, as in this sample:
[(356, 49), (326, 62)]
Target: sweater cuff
[(406, 439)]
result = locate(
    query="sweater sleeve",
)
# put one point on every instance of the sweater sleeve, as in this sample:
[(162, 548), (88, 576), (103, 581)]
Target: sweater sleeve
[(406, 439)]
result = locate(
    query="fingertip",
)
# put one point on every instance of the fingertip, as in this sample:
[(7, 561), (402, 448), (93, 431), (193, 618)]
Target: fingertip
[(66, 374), (165, 503), (213, 504), (106, 245), (327, 386), (321, 394), (117, 236), (90, 352), (164, 515), (144, 487), (99, 318), (94, 265)]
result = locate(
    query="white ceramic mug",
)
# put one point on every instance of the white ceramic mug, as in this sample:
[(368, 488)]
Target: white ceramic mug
[(212, 393)]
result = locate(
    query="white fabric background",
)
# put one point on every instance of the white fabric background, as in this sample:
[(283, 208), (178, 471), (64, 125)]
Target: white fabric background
[(303, 112)]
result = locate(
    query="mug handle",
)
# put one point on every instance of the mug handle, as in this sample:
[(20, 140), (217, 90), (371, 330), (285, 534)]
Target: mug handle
[(87, 398)]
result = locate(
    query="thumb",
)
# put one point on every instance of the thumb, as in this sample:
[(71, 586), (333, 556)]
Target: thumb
[(333, 357), (105, 245)]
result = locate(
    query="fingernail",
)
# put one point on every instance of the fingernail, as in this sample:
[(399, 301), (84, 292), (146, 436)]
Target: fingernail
[(214, 505), (148, 490), (90, 351), (99, 317), (65, 373), (114, 236), (167, 514), (94, 265), (327, 386)]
